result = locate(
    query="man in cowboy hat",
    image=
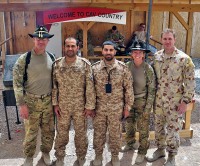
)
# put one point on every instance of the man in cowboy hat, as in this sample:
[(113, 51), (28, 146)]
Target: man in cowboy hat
[(144, 93), (32, 86)]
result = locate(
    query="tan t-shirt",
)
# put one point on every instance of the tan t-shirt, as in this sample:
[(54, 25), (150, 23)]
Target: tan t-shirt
[(39, 74)]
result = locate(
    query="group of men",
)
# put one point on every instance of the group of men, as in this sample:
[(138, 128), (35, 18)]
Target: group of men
[(108, 91)]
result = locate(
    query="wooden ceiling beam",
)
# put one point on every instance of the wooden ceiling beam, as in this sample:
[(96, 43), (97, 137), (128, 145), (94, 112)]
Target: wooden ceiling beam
[(5, 7)]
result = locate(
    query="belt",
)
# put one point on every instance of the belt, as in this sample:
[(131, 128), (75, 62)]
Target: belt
[(38, 96)]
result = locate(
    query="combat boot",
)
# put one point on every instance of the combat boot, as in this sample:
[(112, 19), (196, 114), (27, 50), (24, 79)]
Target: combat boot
[(139, 159), (98, 160), (126, 148), (115, 161), (170, 160), (28, 161), (46, 158), (60, 161), (160, 152)]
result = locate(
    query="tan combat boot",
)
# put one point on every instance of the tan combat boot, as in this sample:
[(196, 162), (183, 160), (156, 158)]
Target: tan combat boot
[(98, 160), (115, 161), (28, 161), (139, 159), (156, 155), (170, 160), (60, 161), (126, 148), (46, 159)]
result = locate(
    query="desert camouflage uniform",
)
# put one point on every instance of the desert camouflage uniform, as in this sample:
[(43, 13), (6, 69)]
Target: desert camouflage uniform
[(175, 83), (144, 92), (73, 91), (110, 106), (79, 37), (115, 37), (40, 109)]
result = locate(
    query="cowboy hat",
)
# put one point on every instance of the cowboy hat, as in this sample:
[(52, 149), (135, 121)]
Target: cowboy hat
[(41, 32), (139, 45)]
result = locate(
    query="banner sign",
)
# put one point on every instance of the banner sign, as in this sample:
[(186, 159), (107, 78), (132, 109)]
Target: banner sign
[(84, 14)]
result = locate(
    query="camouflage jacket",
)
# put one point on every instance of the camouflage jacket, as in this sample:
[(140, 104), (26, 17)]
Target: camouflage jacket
[(149, 84), (115, 37), (73, 84), (175, 76), (121, 81)]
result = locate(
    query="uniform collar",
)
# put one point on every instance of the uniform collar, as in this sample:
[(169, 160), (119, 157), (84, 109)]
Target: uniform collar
[(111, 66), (74, 64)]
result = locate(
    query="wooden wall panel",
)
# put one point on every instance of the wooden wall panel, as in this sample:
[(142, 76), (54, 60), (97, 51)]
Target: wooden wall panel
[(195, 52), (1, 28), (180, 32), (23, 24), (156, 27)]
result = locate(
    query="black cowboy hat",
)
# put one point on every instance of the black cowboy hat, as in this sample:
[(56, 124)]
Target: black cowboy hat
[(41, 32), (139, 45)]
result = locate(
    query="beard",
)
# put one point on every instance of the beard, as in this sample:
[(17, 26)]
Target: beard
[(70, 54), (108, 57)]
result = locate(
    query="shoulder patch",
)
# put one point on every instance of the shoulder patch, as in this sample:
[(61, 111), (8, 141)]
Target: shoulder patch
[(122, 63), (96, 63), (57, 60), (85, 60)]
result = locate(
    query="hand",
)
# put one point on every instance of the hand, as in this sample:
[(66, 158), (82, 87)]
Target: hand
[(57, 111), (23, 111), (125, 113), (90, 113), (182, 108)]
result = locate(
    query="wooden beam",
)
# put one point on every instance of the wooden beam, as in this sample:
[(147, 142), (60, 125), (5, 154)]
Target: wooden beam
[(90, 24), (121, 6), (181, 20), (189, 33), (85, 27), (170, 19)]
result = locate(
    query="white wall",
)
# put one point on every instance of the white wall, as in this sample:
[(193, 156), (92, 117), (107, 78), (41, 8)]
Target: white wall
[(55, 43)]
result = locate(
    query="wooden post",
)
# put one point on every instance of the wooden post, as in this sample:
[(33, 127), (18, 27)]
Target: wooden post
[(189, 34)]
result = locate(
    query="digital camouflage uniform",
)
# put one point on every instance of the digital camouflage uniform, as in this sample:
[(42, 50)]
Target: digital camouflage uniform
[(73, 91), (144, 93), (40, 108), (115, 37), (175, 83), (109, 106), (79, 37)]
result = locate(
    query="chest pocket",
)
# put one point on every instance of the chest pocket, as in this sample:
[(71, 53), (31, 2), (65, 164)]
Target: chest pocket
[(175, 71), (116, 77)]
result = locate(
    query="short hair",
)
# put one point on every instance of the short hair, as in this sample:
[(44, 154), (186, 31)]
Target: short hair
[(109, 43), (167, 30), (72, 38), (141, 24), (114, 28)]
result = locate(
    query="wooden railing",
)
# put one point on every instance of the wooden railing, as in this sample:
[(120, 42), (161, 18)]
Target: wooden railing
[(3, 51)]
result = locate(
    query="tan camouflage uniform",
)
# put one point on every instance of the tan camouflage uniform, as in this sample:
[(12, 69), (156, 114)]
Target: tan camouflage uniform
[(144, 92), (175, 83), (115, 37), (110, 106), (73, 91), (40, 109)]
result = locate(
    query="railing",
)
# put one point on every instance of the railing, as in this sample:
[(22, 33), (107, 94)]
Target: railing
[(156, 43), (3, 52)]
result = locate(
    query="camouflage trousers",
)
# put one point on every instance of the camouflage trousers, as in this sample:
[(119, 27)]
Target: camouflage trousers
[(138, 121), (167, 125), (107, 120), (40, 116), (63, 125)]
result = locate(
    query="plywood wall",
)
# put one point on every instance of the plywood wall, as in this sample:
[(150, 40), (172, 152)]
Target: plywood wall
[(23, 23)]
